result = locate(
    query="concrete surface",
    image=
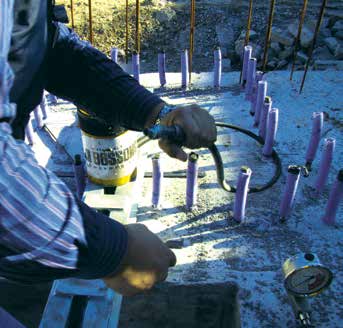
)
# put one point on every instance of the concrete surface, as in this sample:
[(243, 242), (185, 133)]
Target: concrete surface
[(215, 250)]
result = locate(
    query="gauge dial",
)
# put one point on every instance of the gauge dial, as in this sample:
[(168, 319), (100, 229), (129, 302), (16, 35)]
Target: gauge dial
[(308, 281)]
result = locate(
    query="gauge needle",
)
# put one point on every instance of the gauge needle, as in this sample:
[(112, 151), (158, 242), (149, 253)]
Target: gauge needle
[(308, 278)]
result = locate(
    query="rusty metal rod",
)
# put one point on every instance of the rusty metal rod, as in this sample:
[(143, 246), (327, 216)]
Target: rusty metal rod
[(269, 34), (316, 32), (90, 21), (138, 31), (191, 39), (127, 32), (72, 14), (247, 34), (298, 38)]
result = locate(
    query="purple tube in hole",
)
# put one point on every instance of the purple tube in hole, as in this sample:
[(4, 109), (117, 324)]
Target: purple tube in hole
[(29, 133), (246, 58), (335, 197), (251, 77), (114, 54), (44, 107), (262, 127), (217, 76), (290, 192), (273, 121), (259, 77), (192, 180), (162, 68), (241, 194), (38, 119), (260, 97), (317, 127), (80, 176), (157, 178), (325, 164), (135, 65), (184, 69)]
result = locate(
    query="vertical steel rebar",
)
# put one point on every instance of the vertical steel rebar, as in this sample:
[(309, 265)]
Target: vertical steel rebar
[(90, 17), (72, 14), (127, 32), (319, 22), (247, 34), (298, 38), (138, 29), (269, 34), (191, 39)]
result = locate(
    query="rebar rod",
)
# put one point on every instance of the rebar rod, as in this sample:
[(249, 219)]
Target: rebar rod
[(268, 34), (247, 34), (191, 39), (90, 26), (298, 38), (72, 14), (319, 22), (127, 32), (138, 31)]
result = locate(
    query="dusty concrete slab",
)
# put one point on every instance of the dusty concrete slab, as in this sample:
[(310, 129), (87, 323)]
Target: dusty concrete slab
[(215, 249)]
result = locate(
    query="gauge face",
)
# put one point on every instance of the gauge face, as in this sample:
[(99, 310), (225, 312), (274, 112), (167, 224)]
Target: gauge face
[(309, 280)]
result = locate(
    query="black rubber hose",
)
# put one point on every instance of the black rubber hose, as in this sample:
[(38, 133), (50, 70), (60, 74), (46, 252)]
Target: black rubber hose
[(219, 162)]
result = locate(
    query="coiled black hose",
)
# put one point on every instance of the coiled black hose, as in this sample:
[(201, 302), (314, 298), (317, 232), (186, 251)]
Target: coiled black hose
[(176, 134)]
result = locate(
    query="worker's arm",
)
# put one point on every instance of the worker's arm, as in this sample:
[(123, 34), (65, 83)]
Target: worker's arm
[(82, 74), (46, 234)]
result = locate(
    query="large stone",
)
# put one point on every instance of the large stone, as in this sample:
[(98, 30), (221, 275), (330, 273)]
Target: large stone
[(307, 33), (282, 64), (338, 26), (328, 64), (302, 57), (165, 15), (275, 46), (286, 53), (252, 35), (282, 36), (322, 53), (339, 35), (335, 46), (226, 37), (226, 64)]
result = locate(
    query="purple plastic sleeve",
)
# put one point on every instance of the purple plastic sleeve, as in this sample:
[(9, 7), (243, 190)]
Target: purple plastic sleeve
[(44, 107), (80, 179), (251, 78), (162, 68), (114, 54), (157, 177), (259, 77), (260, 97), (273, 121), (135, 66), (38, 118), (325, 164), (262, 128), (192, 181), (184, 69), (246, 58), (317, 127), (335, 197), (217, 76), (29, 133), (287, 201), (241, 194)]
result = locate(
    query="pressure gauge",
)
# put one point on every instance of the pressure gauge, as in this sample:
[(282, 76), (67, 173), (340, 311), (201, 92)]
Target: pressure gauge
[(305, 275)]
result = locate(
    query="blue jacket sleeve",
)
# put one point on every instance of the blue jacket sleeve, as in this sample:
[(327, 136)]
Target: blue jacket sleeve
[(82, 74)]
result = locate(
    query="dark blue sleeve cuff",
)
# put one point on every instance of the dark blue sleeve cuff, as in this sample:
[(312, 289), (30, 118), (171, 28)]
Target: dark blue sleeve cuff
[(106, 245)]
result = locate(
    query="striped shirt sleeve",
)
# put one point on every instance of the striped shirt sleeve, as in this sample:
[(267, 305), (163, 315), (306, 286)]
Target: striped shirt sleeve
[(45, 233)]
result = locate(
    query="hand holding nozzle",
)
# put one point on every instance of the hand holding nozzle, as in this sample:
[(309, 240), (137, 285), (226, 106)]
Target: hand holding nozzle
[(189, 126)]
